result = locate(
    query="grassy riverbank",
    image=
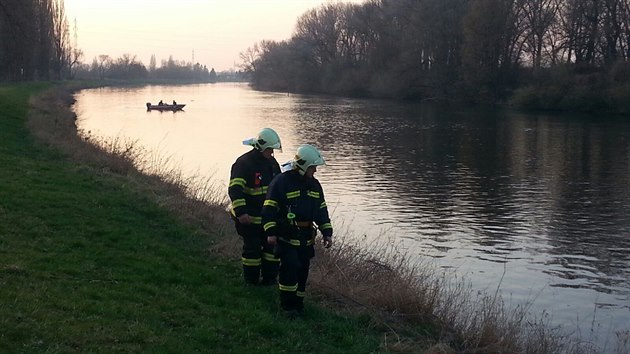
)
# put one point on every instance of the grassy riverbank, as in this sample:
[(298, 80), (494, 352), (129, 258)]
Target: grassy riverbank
[(90, 262)]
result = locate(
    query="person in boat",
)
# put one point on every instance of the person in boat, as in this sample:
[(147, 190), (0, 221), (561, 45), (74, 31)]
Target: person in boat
[(174, 103), (294, 202), (250, 176), (160, 103)]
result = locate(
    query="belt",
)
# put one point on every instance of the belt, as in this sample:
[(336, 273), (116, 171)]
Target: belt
[(295, 242), (304, 224)]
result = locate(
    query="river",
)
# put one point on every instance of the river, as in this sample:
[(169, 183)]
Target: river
[(537, 205)]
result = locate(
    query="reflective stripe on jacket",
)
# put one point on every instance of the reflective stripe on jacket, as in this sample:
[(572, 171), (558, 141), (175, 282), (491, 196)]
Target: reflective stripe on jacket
[(294, 193), (249, 180)]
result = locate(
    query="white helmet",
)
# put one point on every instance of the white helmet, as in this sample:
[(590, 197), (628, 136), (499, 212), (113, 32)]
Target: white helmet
[(267, 138), (307, 156)]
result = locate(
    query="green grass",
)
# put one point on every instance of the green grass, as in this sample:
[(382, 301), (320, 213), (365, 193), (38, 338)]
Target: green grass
[(88, 263)]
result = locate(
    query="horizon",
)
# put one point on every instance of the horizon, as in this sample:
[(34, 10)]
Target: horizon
[(211, 33)]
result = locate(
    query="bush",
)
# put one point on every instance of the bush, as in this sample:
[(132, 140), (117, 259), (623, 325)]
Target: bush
[(619, 98), (620, 72), (582, 89), (583, 99), (536, 97)]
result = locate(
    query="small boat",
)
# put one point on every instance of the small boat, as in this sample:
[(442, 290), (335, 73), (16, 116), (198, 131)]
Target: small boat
[(165, 107)]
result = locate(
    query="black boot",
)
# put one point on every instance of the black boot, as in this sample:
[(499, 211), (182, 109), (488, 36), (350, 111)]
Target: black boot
[(299, 305), (288, 304), (251, 274), (268, 282), (287, 300)]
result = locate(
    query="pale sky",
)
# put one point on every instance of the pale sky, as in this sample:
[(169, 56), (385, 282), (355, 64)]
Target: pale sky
[(216, 30)]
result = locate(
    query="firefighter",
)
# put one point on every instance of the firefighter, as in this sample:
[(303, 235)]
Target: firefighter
[(294, 204), (249, 179)]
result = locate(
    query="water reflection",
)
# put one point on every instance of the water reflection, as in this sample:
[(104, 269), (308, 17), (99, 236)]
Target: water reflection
[(543, 199), (443, 175)]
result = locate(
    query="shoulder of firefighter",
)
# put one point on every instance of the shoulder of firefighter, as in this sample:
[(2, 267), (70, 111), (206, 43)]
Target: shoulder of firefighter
[(250, 177), (295, 203)]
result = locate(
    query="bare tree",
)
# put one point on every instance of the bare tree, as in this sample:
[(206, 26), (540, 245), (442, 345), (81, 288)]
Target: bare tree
[(249, 57), (152, 63), (61, 56), (33, 39), (612, 30), (76, 54), (624, 14), (103, 62), (483, 50), (539, 16), (319, 29)]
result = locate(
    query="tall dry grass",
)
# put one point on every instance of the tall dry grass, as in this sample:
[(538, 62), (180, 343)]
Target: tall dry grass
[(405, 295), (413, 303)]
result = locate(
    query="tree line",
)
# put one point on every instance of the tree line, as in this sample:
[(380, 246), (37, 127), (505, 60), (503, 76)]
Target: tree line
[(128, 67), (35, 40), (36, 44), (477, 50)]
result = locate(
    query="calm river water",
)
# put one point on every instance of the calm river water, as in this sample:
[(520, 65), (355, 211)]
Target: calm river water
[(536, 204)]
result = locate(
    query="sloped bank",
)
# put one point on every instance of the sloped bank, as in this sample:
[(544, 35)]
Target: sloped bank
[(410, 304), (92, 259)]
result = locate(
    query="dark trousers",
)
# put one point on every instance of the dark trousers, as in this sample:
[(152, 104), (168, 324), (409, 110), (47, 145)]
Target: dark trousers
[(257, 256), (295, 262)]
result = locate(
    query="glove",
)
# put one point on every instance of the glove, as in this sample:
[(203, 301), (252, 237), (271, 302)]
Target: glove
[(327, 241)]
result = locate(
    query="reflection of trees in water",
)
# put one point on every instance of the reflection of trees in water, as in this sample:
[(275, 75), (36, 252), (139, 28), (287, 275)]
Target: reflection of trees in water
[(503, 181), (584, 167)]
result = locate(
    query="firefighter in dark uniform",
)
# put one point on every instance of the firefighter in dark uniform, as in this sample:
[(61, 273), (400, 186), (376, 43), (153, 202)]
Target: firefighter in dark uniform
[(294, 204), (249, 179)]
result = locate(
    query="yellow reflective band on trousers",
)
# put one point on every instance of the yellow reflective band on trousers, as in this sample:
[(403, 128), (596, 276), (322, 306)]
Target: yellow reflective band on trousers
[(237, 182), (322, 205), (290, 288), (269, 225), (301, 294), (270, 257), (270, 202), (251, 262), (313, 194)]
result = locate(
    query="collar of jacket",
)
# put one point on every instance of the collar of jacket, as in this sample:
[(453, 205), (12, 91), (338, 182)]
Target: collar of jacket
[(258, 154), (296, 174)]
